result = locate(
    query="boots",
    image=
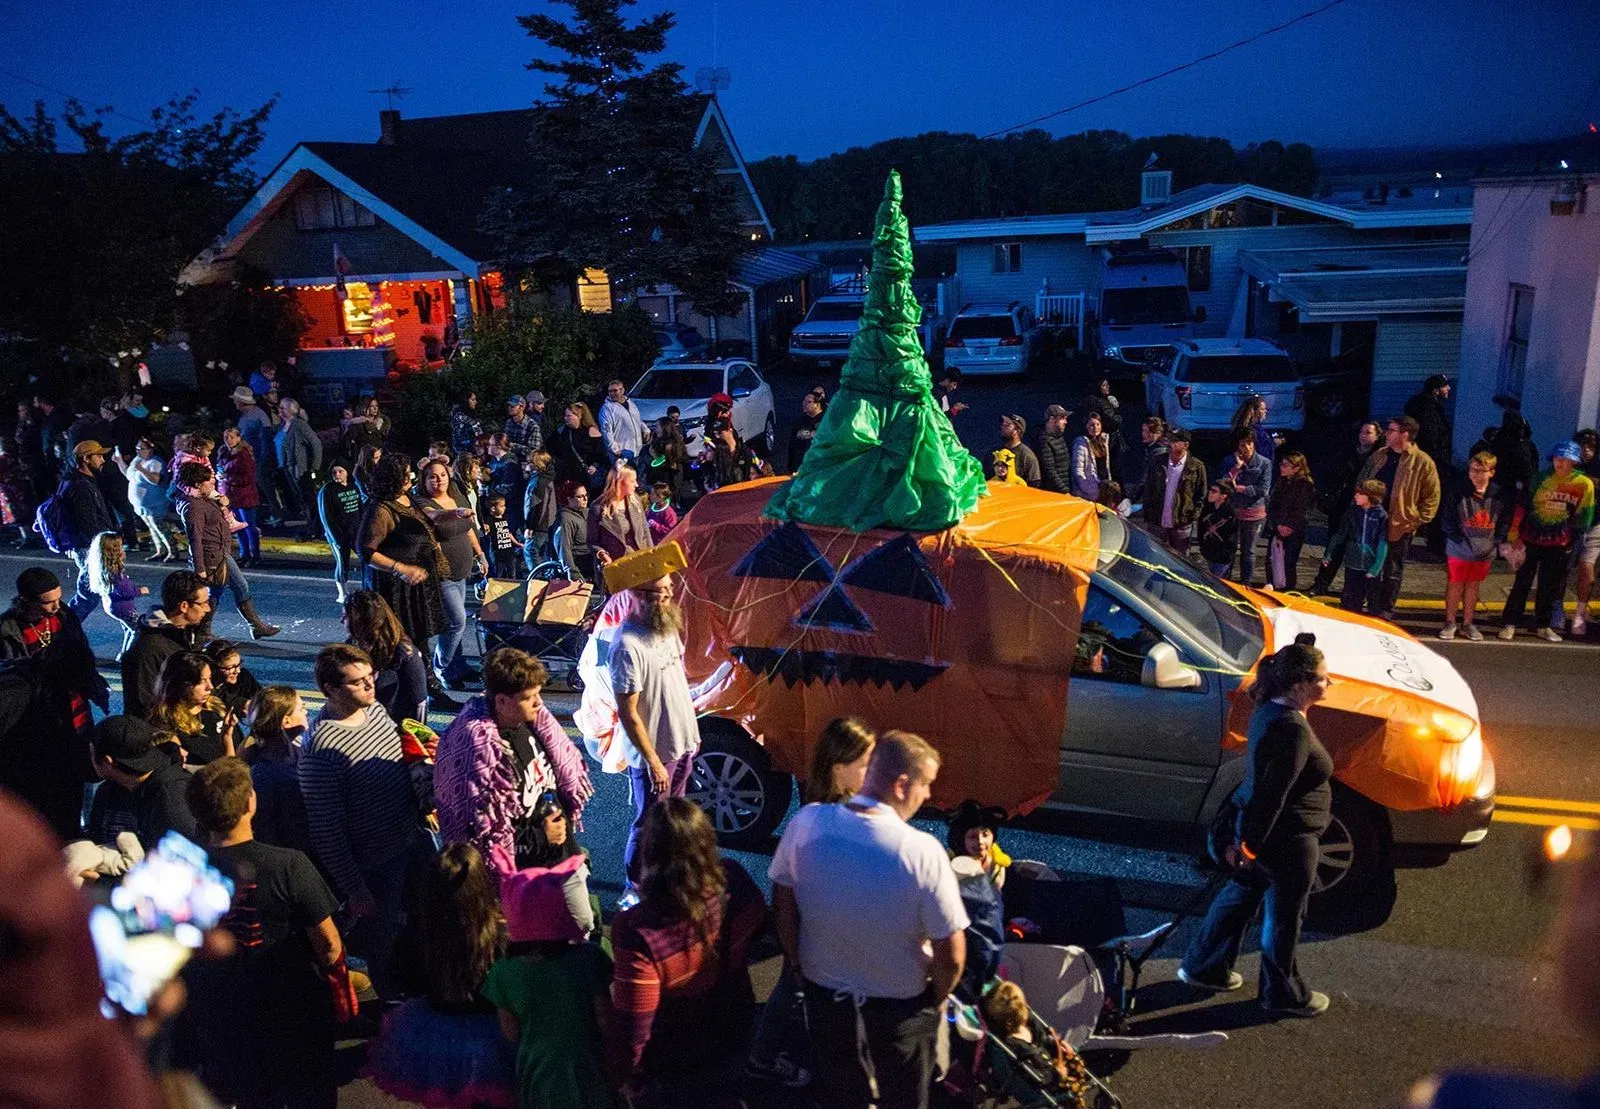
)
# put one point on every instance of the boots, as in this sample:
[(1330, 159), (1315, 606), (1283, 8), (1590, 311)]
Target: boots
[(259, 628)]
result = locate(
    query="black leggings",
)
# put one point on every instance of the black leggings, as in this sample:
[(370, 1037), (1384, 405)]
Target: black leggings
[(1549, 566)]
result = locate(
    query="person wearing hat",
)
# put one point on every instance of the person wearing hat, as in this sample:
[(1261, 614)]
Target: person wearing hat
[(1055, 453), (1557, 511), (255, 428), (622, 424), (87, 516), (144, 780), (524, 432), (52, 656), (1175, 492), (1433, 423), (1012, 429)]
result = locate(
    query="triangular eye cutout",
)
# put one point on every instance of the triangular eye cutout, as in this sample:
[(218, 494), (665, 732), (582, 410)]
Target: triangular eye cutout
[(832, 611), (898, 567), (786, 554)]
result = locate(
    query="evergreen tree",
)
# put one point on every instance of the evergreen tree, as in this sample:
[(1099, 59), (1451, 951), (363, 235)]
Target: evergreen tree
[(615, 182)]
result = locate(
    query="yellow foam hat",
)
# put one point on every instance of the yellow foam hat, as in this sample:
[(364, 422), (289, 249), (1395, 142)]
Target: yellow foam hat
[(639, 567)]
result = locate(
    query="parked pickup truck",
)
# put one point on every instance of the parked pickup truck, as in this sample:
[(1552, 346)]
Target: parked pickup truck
[(822, 339)]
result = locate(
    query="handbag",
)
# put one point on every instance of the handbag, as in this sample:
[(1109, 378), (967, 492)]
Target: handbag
[(1280, 576)]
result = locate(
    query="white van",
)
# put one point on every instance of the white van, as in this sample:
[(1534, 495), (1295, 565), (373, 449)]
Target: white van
[(1204, 381), (1143, 310)]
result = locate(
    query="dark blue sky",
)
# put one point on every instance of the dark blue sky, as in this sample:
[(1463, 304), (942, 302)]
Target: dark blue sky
[(815, 76)]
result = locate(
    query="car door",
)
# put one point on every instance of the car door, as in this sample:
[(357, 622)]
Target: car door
[(749, 414), (1131, 748)]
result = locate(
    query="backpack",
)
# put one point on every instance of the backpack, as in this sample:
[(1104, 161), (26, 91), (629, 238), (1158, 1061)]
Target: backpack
[(53, 522)]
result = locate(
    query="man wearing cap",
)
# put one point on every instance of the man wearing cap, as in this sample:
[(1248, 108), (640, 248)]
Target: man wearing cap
[(1012, 429), (653, 702), (622, 424), (256, 430), (1174, 492), (51, 652), (145, 782), (1433, 424), (1055, 453), (524, 431), (87, 516)]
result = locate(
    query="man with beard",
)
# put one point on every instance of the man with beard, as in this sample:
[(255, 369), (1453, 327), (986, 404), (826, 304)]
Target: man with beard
[(653, 704)]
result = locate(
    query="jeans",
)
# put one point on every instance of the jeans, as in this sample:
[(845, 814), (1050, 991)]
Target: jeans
[(642, 793), (373, 937), (448, 659), (83, 600), (294, 503), (1286, 868), (536, 549), (887, 1043), (1360, 593), (782, 1020), (1394, 572), (1549, 566), (160, 538), (250, 536), (1249, 533)]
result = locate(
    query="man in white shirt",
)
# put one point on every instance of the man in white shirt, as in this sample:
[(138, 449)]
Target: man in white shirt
[(653, 705), (870, 918), (622, 425), (1175, 492)]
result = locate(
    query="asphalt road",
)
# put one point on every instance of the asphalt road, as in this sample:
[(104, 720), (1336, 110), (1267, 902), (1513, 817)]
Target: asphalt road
[(1456, 972)]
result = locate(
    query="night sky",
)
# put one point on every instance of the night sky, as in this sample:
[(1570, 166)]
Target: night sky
[(817, 76)]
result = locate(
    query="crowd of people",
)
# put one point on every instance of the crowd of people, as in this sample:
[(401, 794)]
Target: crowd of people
[(1396, 487)]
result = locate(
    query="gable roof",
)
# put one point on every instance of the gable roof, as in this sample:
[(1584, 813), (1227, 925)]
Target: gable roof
[(1132, 223), (431, 184)]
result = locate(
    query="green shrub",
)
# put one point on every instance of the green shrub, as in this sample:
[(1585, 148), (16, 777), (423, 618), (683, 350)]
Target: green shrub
[(565, 353)]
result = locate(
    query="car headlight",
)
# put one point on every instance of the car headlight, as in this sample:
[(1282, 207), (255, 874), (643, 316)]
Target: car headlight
[(694, 423), (1111, 352)]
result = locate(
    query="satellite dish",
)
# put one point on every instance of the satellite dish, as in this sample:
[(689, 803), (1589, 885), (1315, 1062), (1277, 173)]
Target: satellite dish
[(712, 78)]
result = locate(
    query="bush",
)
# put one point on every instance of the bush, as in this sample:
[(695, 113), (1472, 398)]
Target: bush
[(565, 353)]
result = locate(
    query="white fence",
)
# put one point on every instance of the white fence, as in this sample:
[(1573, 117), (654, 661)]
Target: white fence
[(1060, 310)]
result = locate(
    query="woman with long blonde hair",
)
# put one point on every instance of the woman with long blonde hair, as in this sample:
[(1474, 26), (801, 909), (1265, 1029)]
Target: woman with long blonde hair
[(617, 520)]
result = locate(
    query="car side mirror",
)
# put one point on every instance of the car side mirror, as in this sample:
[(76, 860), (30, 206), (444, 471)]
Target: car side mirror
[(1200, 313), (1163, 669), (737, 393)]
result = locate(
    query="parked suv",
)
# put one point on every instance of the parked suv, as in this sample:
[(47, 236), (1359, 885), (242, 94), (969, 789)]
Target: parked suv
[(1204, 381), (991, 339)]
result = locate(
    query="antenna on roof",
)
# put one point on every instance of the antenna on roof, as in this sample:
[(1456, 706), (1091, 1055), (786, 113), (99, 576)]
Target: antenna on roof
[(712, 78), (393, 92)]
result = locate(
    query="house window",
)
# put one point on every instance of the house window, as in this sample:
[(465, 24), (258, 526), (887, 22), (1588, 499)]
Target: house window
[(1197, 264), (1007, 257), (594, 291), (321, 209), (357, 307), (1514, 358)]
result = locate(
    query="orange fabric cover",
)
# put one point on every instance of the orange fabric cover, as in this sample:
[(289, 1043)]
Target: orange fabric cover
[(996, 710)]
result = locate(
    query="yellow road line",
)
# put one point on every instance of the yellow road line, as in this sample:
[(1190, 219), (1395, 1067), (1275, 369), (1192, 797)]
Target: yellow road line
[(1548, 803), (1548, 820)]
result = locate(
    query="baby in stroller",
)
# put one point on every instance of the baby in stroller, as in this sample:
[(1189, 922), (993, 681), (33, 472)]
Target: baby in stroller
[(1032, 1066)]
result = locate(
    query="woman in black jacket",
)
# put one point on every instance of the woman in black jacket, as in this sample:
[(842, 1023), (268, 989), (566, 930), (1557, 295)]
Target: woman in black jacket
[(1284, 806), (1335, 498)]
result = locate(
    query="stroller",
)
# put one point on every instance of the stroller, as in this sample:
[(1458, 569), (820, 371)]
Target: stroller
[(1069, 1010), (548, 618)]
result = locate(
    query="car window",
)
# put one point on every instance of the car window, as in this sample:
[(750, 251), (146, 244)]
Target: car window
[(982, 327), (831, 310), (742, 380), (678, 383), (1148, 304), (1113, 641), (1251, 369)]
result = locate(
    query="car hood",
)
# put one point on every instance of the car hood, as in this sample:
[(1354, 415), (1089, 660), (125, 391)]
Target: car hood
[(827, 327)]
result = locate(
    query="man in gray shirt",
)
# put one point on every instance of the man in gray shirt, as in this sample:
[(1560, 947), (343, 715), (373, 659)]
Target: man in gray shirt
[(653, 704)]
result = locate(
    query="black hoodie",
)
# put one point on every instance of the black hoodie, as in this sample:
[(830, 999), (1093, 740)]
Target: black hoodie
[(158, 640)]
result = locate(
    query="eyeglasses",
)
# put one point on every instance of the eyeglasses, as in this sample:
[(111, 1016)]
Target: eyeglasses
[(200, 602), (233, 668)]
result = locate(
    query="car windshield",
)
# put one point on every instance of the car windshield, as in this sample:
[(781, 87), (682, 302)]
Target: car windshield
[(1157, 304), (678, 383), (1251, 369), (982, 327), (1186, 595), (828, 311)]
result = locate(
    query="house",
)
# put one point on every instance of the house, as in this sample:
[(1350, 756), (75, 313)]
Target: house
[(1530, 332), (1261, 263), (380, 245)]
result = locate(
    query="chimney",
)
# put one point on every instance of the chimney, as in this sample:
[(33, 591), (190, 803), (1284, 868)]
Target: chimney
[(1155, 187), (388, 127)]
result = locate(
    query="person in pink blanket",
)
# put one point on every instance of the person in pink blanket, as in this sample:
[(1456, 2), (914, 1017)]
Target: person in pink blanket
[(502, 752)]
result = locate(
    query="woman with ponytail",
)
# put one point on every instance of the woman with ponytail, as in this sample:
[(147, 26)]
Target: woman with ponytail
[(1283, 807)]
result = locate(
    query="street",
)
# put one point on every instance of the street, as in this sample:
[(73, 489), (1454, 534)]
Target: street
[(1455, 973)]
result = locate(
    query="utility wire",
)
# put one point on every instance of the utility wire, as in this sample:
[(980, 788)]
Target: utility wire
[(71, 96), (1168, 72)]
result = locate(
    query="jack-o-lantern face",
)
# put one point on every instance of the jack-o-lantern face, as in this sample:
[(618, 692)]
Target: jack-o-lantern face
[(897, 568)]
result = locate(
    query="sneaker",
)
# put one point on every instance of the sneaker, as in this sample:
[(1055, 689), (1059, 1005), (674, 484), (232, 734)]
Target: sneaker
[(1316, 1004), (780, 1069), (1448, 631), (1580, 625), (1471, 632), (1235, 982), (1508, 632), (1549, 635)]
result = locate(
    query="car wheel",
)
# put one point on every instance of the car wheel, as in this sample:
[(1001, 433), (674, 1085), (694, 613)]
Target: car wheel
[(733, 781), (1352, 853), (769, 436)]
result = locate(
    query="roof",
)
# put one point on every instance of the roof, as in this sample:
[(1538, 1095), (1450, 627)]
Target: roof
[(1131, 223), (767, 264), (1339, 283)]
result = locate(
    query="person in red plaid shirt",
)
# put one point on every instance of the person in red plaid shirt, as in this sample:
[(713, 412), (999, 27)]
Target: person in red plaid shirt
[(49, 770)]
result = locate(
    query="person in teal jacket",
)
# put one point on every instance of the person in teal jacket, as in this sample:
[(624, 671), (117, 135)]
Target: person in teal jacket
[(1363, 537)]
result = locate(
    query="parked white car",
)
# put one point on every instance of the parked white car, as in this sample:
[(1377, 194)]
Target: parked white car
[(690, 385), (1205, 381), (991, 339)]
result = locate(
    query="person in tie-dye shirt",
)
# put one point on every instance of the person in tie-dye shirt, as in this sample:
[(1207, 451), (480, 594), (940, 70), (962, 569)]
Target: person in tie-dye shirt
[(1559, 509)]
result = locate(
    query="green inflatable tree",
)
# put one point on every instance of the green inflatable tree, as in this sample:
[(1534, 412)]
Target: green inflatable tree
[(884, 456)]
